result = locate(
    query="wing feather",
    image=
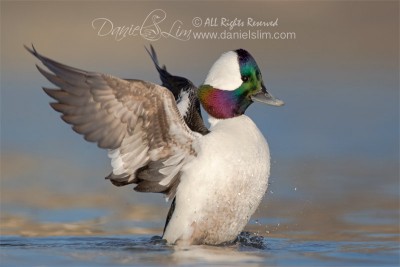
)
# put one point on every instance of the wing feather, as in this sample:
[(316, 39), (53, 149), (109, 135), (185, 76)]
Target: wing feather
[(137, 121)]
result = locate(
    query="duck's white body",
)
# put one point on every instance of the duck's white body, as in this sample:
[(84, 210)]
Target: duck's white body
[(222, 187)]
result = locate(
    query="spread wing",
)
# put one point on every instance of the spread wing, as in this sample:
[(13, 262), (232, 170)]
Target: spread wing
[(137, 121), (185, 93)]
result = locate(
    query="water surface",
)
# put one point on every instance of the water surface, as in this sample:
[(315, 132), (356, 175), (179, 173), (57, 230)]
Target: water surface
[(142, 251)]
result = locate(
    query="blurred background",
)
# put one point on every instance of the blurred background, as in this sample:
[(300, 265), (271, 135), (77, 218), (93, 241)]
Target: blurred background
[(334, 145)]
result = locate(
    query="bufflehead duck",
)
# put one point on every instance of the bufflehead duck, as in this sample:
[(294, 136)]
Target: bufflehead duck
[(216, 180)]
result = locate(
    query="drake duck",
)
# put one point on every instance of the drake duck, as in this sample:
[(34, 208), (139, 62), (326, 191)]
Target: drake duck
[(216, 177)]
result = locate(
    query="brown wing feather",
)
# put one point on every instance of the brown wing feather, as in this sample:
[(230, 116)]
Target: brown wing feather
[(137, 121)]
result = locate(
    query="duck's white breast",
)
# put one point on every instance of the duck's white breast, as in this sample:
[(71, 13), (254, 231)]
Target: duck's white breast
[(223, 186)]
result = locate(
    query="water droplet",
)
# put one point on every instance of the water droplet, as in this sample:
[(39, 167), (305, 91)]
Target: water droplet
[(295, 189)]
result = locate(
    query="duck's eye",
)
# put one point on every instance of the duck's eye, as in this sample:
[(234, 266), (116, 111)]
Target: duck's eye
[(245, 78)]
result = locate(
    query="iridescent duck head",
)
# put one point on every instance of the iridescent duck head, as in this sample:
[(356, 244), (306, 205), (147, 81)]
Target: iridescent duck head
[(232, 84)]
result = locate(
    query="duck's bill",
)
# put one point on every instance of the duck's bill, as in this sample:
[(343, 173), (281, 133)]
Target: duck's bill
[(267, 98)]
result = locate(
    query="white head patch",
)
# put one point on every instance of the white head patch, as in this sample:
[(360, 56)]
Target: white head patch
[(225, 73)]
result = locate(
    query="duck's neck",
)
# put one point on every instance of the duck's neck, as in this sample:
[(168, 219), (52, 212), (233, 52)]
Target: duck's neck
[(223, 104)]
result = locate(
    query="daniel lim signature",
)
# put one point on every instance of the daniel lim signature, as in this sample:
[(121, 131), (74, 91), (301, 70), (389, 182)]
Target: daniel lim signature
[(150, 29)]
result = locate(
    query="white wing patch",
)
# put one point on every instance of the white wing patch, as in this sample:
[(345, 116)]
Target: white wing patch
[(116, 162), (183, 104)]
